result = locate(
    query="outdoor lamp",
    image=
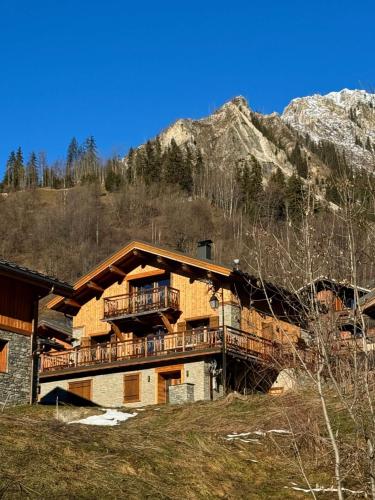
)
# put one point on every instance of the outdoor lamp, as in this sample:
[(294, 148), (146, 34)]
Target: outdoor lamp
[(214, 302)]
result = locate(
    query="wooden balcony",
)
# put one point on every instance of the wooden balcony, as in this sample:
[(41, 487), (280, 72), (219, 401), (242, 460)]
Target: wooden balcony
[(142, 302), (237, 343)]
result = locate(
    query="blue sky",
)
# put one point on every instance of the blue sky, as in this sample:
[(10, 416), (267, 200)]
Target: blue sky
[(122, 70)]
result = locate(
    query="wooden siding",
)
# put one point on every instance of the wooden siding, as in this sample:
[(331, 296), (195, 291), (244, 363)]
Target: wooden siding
[(331, 300), (253, 321), (16, 306), (194, 298), (194, 301)]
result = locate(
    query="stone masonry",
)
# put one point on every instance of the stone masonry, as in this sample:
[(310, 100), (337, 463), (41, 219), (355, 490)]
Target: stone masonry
[(181, 393), (108, 389), (15, 384)]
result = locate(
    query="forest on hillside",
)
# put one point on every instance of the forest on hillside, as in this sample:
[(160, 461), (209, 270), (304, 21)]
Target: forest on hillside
[(64, 218)]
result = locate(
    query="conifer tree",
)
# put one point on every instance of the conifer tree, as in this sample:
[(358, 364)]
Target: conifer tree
[(295, 195), (32, 172), (152, 164), (299, 161), (8, 181), (19, 171), (72, 158), (276, 192), (176, 169), (90, 161)]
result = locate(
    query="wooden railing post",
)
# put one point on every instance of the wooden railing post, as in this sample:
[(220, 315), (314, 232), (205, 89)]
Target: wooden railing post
[(146, 346)]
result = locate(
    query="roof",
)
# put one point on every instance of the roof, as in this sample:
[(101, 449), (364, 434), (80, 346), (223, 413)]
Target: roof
[(54, 326), (117, 266), (367, 303), (45, 284), (332, 281)]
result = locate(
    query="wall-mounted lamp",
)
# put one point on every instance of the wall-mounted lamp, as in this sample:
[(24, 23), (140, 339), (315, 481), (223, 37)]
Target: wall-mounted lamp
[(149, 379), (214, 302), (187, 373)]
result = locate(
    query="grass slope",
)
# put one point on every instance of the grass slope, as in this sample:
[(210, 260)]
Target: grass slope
[(171, 452)]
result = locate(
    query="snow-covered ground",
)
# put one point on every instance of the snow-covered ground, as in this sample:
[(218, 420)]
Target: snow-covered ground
[(109, 418)]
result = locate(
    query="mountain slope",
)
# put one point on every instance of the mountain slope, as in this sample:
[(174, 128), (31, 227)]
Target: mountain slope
[(341, 121), (345, 118)]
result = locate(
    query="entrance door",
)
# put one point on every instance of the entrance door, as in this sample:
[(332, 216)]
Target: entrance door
[(165, 380)]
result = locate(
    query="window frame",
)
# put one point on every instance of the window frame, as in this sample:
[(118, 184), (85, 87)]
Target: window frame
[(4, 356)]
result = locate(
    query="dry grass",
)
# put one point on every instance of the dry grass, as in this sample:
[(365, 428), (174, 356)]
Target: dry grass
[(174, 452)]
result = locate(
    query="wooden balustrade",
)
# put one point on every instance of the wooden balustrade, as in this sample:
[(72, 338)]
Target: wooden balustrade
[(201, 339), (153, 299), (236, 342)]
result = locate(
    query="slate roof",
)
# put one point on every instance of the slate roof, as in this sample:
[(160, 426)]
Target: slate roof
[(39, 279)]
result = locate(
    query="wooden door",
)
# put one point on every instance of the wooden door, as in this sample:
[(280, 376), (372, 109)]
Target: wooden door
[(165, 380), (81, 388)]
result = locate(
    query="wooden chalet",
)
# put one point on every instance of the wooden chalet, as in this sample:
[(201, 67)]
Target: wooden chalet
[(20, 292), (155, 325), (336, 304)]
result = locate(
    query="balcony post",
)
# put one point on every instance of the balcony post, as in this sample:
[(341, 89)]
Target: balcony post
[(146, 347), (110, 352)]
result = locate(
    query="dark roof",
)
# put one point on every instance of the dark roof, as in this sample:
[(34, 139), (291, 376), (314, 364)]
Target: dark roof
[(56, 326), (48, 284), (328, 283)]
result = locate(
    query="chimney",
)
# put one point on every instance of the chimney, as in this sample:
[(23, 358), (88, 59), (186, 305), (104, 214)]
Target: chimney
[(205, 250)]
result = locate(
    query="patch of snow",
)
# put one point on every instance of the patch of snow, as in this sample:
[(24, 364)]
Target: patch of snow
[(279, 431), (321, 489), (109, 418)]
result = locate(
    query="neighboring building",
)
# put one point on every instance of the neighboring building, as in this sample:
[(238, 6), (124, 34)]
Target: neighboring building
[(155, 326), (336, 304), (54, 335), (20, 291)]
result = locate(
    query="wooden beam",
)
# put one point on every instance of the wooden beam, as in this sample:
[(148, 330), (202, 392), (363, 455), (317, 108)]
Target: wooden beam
[(117, 331), (72, 303), (119, 272), (95, 287), (166, 322)]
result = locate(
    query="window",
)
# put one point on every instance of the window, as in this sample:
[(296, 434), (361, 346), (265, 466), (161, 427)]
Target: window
[(131, 388), (4, 356), (81, 388)]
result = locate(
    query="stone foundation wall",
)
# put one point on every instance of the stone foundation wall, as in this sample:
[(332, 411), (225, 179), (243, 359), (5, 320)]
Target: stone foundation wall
[(108, 389), (15, 384)]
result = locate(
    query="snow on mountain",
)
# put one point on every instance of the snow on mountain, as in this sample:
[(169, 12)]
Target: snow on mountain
[(345, 118)]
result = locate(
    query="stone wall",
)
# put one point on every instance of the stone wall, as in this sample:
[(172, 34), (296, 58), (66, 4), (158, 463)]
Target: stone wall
[(181, 393), (108, 389), (232, 315), (15, 384)]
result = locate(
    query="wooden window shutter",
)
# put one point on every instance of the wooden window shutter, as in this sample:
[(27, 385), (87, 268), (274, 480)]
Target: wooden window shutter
[(131, 388), (81, 388), (3, 356), (181, 326), (214, 321)]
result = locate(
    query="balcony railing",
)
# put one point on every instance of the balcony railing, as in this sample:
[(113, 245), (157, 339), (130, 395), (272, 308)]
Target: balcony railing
[(237, 342), (153, 299)]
